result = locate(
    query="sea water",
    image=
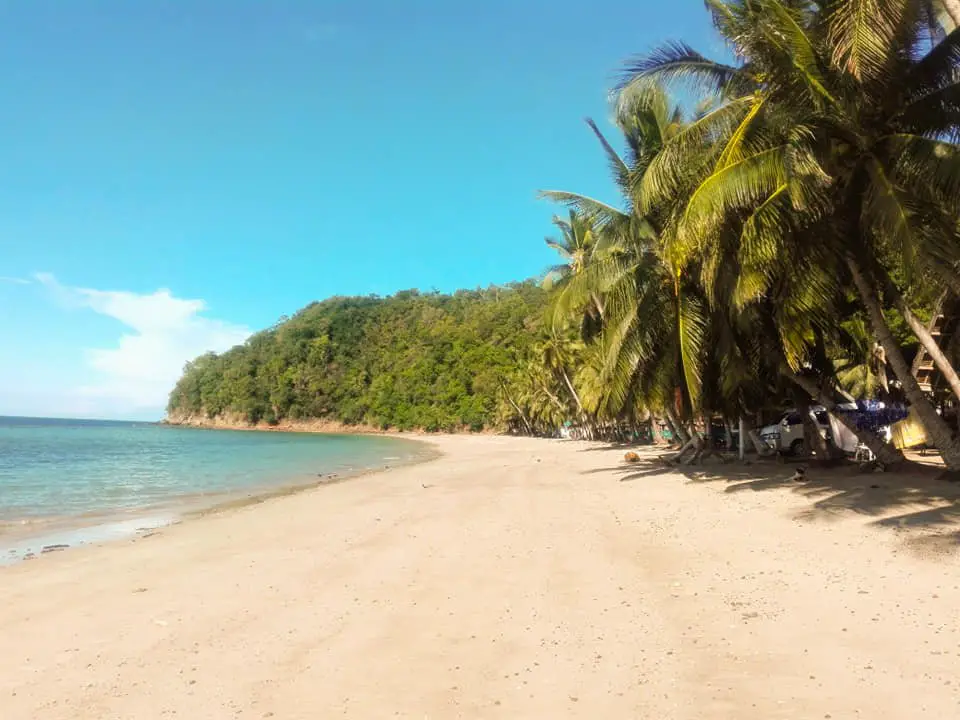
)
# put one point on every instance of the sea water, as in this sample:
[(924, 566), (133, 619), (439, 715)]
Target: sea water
[(99, 479)]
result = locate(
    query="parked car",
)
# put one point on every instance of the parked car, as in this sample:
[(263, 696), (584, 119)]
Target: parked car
[(786, 435)]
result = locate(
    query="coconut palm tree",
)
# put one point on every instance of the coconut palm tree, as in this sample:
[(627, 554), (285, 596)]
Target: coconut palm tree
[(556, 355), (831, 142), (651, 343), (575, 246), (671, 340)]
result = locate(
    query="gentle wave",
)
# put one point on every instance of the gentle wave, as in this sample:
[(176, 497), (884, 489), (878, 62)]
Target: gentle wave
[(92, 474)]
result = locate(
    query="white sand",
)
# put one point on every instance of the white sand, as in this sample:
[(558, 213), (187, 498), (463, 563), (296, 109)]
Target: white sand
[(526, 580)]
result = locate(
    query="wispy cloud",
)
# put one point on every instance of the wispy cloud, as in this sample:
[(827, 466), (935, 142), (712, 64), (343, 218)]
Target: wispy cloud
[(14, 280), (164, 332)]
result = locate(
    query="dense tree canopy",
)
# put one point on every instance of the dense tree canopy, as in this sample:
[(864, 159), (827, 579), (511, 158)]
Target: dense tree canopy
[(413, 360), (800, 220)]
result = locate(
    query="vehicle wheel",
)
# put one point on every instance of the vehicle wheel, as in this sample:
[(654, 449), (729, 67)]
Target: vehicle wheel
[(798, 448)]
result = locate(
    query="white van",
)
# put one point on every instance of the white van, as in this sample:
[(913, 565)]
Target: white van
[(786, 435)]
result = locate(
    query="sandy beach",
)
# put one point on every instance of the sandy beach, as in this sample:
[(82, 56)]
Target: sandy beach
[(511, 578)]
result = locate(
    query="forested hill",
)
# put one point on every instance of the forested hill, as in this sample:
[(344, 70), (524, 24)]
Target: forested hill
[(413, 360)]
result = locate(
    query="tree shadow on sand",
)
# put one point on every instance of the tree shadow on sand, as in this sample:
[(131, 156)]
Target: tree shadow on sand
[(911, 498)]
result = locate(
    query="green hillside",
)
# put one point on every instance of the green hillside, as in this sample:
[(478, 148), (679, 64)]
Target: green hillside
[(413, 360)]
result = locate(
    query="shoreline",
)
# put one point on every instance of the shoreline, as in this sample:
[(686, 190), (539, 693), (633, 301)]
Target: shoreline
[(327, 427), (511, 577), (28, 540)]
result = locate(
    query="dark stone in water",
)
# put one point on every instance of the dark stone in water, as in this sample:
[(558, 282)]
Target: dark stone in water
[(53, 548)]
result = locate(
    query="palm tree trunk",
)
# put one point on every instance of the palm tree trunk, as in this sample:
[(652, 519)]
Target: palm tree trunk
[(523, 417), (930, 345), (678, 429), (705, 447), (886, 453), (554, 398), (598, 304), (814, 443), (937, 430), (952, 8), (742, 432), (674, 434), (927, 340), (573, 393)]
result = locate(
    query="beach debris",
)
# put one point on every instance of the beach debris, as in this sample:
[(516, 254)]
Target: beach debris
[(53, 548), (631, 457), (425, 486), (140, 590), (799, 475)]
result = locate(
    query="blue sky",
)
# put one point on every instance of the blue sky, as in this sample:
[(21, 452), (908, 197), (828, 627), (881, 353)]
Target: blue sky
[(178, 174)]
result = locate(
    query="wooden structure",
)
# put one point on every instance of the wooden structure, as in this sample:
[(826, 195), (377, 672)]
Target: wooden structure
[(943, 326)]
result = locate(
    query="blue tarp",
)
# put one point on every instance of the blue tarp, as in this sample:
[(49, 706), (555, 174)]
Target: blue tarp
[(874, 415)]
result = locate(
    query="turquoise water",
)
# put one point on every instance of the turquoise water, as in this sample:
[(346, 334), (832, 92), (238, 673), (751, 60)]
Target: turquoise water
[(61, 469)]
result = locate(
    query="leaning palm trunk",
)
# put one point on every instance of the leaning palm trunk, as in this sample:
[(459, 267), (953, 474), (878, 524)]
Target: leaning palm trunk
[(929, 344), (704, 448), (952, 9), (597, 304), (886, 453), (677, 426), (573, 393), (937, 430), (728, 433), (516, 407), (814, 441)]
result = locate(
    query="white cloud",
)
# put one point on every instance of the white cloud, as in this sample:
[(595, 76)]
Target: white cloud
[(14, 280), (165, 332)]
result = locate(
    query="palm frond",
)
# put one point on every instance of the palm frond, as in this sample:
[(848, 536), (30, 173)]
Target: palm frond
[(887, 212), (927, 165), (799, 48), (676, 62), (620, 170), (730, 190), (692, 147), (594, 211), (691, 328), (761, 242), (862, 34)]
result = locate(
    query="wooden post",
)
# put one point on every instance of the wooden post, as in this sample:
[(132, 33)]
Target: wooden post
[(743, 438)]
